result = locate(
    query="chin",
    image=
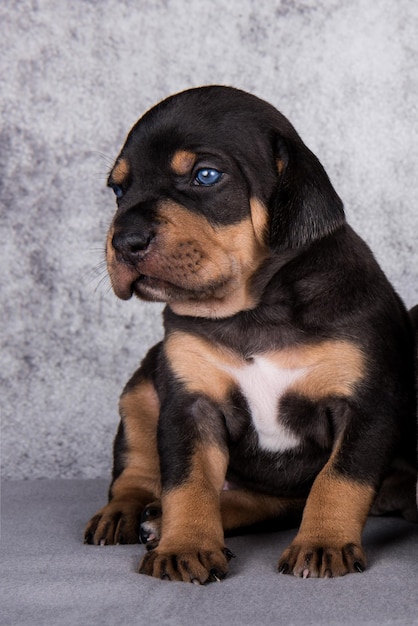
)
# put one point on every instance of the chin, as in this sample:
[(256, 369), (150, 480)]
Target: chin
[(158, 290)]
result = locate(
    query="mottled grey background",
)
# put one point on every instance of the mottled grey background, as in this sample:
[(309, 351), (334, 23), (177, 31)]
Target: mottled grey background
[(74, 77)]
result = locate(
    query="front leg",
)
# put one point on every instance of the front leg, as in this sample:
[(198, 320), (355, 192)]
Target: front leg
[(136, 472), (328, 543), (193, 468)]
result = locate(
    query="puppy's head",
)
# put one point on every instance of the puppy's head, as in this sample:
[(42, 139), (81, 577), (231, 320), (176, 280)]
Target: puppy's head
[(210, 184)]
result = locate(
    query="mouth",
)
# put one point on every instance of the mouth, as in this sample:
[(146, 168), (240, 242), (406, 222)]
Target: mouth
[(128, 280), (158, 290), (153, 289)]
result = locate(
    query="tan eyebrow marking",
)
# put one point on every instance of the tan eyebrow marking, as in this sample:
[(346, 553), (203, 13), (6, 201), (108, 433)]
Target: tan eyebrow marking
[(280, 165), (183, 161), (120, 171)]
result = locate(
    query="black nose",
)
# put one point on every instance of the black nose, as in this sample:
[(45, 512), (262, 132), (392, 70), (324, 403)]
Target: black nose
[(130, 245)]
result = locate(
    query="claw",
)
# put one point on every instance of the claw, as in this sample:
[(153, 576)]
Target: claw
[(216, 576), (229, 555)]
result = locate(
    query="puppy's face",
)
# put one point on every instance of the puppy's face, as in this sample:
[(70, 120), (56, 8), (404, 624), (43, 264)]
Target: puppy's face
[(193, 183)]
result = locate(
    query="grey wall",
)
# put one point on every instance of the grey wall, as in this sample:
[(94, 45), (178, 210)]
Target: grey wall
[(74, 77)]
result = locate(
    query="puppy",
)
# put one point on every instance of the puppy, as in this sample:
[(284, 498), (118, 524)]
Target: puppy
[(284, 386)]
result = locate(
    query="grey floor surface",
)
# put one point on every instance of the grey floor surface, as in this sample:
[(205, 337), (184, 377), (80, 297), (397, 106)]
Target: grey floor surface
[(48, 577)]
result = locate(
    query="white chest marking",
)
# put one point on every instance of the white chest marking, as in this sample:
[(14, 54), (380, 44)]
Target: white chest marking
[(263, 383)]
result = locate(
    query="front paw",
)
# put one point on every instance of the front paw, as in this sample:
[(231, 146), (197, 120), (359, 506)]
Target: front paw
[(115, 523), (308, 560), (188, 564)]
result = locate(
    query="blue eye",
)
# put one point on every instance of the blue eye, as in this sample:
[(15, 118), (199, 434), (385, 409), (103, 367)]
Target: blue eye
[(207, 176), (117, 189)]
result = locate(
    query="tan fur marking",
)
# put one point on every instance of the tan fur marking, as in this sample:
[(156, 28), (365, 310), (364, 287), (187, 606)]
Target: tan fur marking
[(191, 513), (195, 362), (139, 408), (337, 507), (259, 217), (182, 162), (336, 510), (214, 264), (228, 255), (244, 508), (333, 368), (280, 165), (110, 253), (139, 482), (120, 171)]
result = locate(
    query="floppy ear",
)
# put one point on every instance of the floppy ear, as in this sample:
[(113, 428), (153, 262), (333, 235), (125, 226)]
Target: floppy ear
[(305, 206)]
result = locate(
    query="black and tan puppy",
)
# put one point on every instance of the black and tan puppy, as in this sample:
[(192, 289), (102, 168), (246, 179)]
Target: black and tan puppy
[(285, 381)]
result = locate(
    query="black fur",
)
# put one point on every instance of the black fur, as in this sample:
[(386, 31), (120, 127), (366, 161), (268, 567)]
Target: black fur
[(316, 282), (320, 282)]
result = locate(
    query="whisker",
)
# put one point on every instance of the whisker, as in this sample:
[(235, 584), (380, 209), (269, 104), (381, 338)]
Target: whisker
[(100, 250), (97, 271), (105, 157), (103, 173), (104, 282)]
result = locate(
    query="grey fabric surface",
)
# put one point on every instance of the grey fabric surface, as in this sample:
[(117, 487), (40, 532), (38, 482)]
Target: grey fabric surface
[(49, 578), (74, 76)]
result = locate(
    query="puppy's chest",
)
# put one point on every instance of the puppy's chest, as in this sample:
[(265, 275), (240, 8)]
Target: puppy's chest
[(263, 383), (270, 381)]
